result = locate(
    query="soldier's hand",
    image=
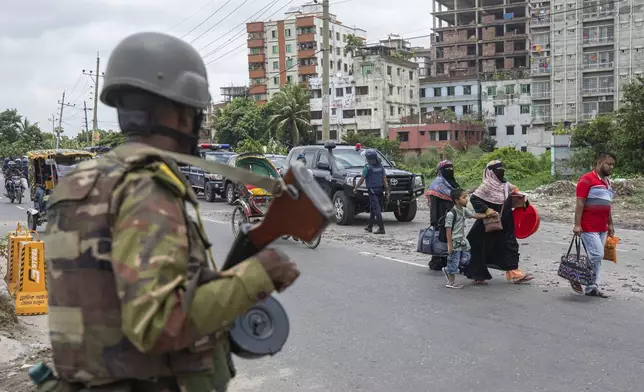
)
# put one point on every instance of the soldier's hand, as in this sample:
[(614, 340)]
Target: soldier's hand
[(280, 269)]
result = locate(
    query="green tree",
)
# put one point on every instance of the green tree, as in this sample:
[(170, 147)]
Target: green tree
[(353, 43), (390, 148), (18, 135), (627, 136), (291, 121), (488, 144), (588, 139), (241, 119)]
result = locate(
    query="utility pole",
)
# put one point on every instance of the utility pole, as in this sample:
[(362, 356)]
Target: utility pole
[(95, 78), (53, 123), (85, 109), (60, 119), (325, 70)]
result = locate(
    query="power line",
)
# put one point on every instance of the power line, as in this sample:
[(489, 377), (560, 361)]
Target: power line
[(240, 34), (221, 20), (264, 9), (191, 16), (205, 20)]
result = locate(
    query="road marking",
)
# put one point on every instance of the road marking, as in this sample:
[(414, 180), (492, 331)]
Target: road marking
[(20, 207), (392, 259)]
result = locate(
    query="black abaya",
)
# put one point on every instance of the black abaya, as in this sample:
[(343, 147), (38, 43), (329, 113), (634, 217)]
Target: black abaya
[(497, 250)]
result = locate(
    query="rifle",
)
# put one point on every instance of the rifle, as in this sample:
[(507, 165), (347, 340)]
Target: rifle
[(264, 329)]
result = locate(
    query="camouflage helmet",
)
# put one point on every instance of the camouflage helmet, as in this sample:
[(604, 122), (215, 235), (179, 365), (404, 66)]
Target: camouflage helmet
[(160, 64)]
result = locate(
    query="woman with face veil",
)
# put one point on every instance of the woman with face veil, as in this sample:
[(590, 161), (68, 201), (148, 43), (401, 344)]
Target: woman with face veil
[(440, 201), (494, 249)]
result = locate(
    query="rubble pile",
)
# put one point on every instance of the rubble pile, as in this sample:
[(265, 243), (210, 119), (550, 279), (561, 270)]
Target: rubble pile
[(557, 188), (628, 187)]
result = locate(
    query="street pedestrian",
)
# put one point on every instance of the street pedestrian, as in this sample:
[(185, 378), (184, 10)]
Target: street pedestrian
[(458, 248), (494, 249), (593, 217), (440, 201), (374, 174), (133, 304)]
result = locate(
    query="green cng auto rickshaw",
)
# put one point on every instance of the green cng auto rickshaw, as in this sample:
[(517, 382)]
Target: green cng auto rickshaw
[(45, 169)]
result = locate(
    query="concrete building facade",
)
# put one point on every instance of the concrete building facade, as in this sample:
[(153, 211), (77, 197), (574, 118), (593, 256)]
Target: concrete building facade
[(418, 138), (288, 50), (382, 91), (463, 97)]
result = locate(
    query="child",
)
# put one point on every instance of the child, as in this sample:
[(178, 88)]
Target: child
[(458, 248)]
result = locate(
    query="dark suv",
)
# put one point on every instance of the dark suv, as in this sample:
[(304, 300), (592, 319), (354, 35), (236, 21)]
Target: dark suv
[(208, 183), (338, 167)]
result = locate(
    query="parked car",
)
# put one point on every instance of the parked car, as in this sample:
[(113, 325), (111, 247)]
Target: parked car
[(338, 167), (210, 184)]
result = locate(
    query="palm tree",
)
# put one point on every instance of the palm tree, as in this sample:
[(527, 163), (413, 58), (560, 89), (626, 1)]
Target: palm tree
[(292, 112)]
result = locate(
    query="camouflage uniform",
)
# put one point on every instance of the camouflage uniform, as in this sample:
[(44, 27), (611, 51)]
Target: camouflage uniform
[(121, 251)]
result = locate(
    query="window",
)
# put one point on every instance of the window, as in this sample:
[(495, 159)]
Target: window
[(524, 129), (509, 129), (491, 131), (363, 112), (491, 91), (289, 48), (467, 90), (451, 90), (403, 136), (437, 91), (524, 149), (333, 134), (255, 50), (337, 36), (339, 92), (287, 32), (525, 89), (422, 93), (397, 71), (367, 69), (333, 111), (289, 63), (275, 49), (411, 75), (274, 33), (338, 51), (399, 110), (289, 78), (276, 65), (443, 135), (391, 110), (276, 80), (509, 89), (344, 38), (349, 113), (323, 159), (348, 90), (499, 110), (411, 93), (316, 115), (362, 90), (525, 109), (391, 90), (399, 90), (389, 70)]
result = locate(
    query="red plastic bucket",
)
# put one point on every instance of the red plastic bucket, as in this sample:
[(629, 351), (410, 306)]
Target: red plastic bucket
[(526, 222)]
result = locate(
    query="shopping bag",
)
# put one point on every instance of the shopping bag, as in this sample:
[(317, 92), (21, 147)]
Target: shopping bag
[(610, 249), (576, 267)]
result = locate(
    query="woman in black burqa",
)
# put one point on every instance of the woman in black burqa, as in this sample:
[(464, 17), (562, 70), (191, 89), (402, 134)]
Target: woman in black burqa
[(440, 201), (496, 249)]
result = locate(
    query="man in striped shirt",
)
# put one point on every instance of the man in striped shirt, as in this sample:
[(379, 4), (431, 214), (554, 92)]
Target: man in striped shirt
[(593, 219)]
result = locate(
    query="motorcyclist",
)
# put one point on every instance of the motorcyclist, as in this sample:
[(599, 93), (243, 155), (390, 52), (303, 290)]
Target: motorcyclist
[(12, 170)]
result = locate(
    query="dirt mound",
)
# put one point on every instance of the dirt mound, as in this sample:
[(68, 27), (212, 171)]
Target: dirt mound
[(7, 311), (628, 187), (557, 188)]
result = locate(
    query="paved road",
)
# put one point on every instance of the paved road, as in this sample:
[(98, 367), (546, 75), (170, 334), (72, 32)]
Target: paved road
[(368, 323)]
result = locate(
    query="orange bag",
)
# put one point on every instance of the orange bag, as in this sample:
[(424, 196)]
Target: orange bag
[(610, 249)]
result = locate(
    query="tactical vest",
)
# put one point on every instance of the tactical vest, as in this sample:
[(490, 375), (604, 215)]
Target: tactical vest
[(374, 176), (84, 309)]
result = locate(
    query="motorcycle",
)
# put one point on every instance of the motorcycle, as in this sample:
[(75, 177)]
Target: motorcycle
[(15, 189)]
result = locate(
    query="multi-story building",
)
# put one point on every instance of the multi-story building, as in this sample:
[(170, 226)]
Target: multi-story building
[(460, 95), (382, 90), (418, 138), (289, 50), (584, 52)]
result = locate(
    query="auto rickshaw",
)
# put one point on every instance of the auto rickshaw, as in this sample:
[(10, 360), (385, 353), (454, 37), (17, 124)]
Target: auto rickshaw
[(45, 169), (252, 202)]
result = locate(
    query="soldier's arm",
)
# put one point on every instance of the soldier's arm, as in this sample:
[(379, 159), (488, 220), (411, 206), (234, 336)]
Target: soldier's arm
[(149, 256)]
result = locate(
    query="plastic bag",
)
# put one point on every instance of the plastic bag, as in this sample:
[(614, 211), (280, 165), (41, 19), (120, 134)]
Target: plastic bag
[(610, 249)]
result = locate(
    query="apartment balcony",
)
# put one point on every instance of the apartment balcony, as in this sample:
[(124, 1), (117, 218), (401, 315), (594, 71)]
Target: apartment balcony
[(306, 53), (257, 89), (540, 71), (256, 58), (541, 118), (598, 15), (540, 95), (598, 91), (256, 43), (308, 70), (540, 22), (308, 21), (597, 41), (306, 38), (255, 27), (603, 66), (257, 73)]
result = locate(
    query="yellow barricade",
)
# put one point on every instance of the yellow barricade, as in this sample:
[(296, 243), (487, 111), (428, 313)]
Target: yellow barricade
[(13, 256), (31, 294)]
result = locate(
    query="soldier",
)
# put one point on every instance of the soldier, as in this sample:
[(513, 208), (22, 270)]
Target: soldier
[(123, 314)]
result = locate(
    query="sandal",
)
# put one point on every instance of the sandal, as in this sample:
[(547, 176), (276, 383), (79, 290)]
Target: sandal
[(526, 278), (479, 282), (596, 293), (576, 287)]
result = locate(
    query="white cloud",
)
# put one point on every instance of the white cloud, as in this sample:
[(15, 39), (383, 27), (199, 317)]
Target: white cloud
[(45, 44)]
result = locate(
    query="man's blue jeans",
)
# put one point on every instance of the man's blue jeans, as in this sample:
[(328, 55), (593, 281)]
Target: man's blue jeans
[(38, 199), (594, 244)]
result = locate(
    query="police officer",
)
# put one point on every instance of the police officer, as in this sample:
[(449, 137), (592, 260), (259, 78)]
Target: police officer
[(374, 174), (129, 308)]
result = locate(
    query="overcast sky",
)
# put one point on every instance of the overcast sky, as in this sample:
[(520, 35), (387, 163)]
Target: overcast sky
[(46, 44)]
